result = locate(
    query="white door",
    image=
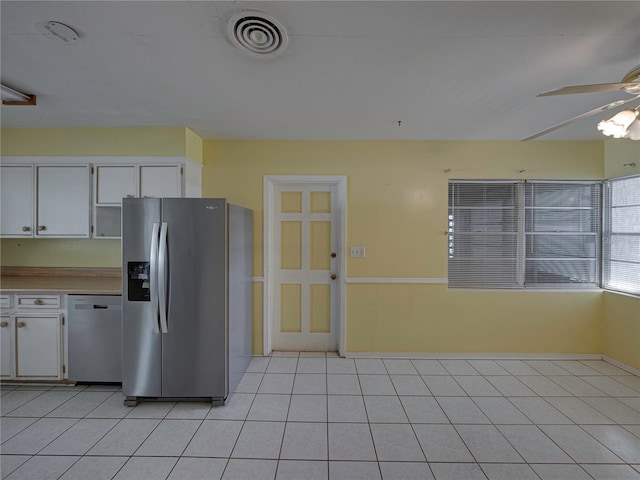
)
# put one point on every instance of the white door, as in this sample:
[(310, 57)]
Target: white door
[(115, 182), (160, 181), (63, 201), (16, 195), (305, 266), (6, 352), (38, 342)]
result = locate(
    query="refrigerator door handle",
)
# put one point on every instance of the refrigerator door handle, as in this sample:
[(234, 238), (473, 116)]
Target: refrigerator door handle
[(153, 273), (162, 278)]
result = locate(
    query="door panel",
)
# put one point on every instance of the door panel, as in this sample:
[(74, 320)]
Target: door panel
[(305, 294), (141, 347), (194, 348)]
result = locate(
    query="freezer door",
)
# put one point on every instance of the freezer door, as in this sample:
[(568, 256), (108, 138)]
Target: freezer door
[(194, 361), (141, 338)]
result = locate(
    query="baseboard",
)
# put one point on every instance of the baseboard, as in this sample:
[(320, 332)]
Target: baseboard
[(621, 365), (477, 356)]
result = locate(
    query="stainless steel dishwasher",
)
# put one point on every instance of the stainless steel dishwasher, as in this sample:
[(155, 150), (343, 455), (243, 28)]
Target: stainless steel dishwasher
[(95, 338)]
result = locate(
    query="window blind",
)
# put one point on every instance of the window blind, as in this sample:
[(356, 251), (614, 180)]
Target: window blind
[(515, 234), (483, 234), (621, 235), (562, 231)]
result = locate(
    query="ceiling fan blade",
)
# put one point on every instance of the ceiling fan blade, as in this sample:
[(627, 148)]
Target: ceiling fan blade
[(632, 88), (603, 108)]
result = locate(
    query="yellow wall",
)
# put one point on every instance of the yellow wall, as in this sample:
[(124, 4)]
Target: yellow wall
[(397, 204), (59, 252), (621, 327), (621, 331), (397, 208), (78, 142), (619, 155)]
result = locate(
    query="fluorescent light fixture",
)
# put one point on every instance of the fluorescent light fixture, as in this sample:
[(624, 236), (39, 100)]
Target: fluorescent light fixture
[(14, 97), (624, 124)]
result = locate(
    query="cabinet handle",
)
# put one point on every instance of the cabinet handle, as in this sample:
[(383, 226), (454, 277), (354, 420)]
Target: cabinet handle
[(130, 196), (4, 324), (21, 324), (41, 228), (26, 229), (38, 301)]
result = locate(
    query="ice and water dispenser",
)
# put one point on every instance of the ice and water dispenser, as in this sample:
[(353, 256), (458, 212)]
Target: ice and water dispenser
[(138, 281)]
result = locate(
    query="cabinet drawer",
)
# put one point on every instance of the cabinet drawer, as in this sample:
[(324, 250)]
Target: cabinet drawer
[(38, 301), (5, 302)]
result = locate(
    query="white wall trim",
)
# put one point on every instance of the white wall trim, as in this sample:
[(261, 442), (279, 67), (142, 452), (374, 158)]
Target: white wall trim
[(269, 184), (477, 356), (621, 365), (436, 281)]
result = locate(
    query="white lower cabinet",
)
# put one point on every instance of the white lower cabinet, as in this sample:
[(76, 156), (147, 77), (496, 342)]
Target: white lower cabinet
[(6, 347), (32, 338), (38, 343)]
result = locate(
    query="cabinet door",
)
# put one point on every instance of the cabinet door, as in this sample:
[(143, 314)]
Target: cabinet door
[(160, 181), (6, 350), (63, 201), (38, 345), (113, 183), (16, 200)]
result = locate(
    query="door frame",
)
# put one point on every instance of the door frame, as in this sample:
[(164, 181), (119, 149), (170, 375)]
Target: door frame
[(270, 183)]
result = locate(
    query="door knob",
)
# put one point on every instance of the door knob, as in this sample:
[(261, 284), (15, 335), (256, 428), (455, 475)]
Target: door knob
[(21, 324), (26, 229), (334, 254), (4, 324), (41, 228), (333, 276)]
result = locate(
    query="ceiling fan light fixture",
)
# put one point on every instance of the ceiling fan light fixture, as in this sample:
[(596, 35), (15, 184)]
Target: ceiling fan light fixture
[(618, 125), (633, 132)]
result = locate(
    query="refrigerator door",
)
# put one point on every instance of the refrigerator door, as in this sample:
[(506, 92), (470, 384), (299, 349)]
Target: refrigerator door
[(141, 338), (194, 360)]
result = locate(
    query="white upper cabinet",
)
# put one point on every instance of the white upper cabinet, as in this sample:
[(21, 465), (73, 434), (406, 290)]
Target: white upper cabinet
[(81, 197), (160, 181), (63, 201), (16, 200), (113, 183)]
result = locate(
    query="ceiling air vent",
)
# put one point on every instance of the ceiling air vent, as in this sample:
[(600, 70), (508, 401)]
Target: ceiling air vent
[(257, 33)]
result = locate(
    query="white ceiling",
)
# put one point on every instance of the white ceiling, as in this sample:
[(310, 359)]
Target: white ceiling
[(446, 70)]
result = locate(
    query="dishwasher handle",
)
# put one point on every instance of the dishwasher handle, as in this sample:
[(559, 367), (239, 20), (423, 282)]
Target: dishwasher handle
[(93, 306)]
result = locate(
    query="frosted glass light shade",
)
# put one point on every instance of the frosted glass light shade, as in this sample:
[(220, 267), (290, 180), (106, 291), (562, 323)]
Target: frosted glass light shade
[(617, 125)]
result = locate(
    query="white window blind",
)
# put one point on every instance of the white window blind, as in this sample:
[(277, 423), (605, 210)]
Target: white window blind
[(621, 235), (512, 234), (562, 233), (483, 234)]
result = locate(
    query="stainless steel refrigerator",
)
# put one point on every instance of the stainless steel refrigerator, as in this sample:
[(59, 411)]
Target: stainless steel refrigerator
[(186, 297)]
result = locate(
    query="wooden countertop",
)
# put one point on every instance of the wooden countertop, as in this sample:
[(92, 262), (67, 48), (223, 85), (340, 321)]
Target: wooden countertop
[(78, 281)]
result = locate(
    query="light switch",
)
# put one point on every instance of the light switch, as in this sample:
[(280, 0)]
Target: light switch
[(358, 252)]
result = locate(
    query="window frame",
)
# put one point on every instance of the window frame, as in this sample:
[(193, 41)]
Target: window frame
[(525, 216), (607, 216)]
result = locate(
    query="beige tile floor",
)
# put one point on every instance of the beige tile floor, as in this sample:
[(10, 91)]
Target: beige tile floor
[(318, 416)]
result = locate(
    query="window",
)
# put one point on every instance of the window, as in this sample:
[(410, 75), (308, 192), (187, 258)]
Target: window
[(514, 234), (621, 235)]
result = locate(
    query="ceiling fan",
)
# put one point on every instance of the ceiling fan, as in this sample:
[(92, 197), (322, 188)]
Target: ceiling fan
[(630, 84)]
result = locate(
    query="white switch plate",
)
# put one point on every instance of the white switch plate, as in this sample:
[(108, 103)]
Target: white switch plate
[(358, 252)]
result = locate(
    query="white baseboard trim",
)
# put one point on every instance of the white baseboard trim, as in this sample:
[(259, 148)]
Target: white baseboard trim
[(621, 365), (478, 356)]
